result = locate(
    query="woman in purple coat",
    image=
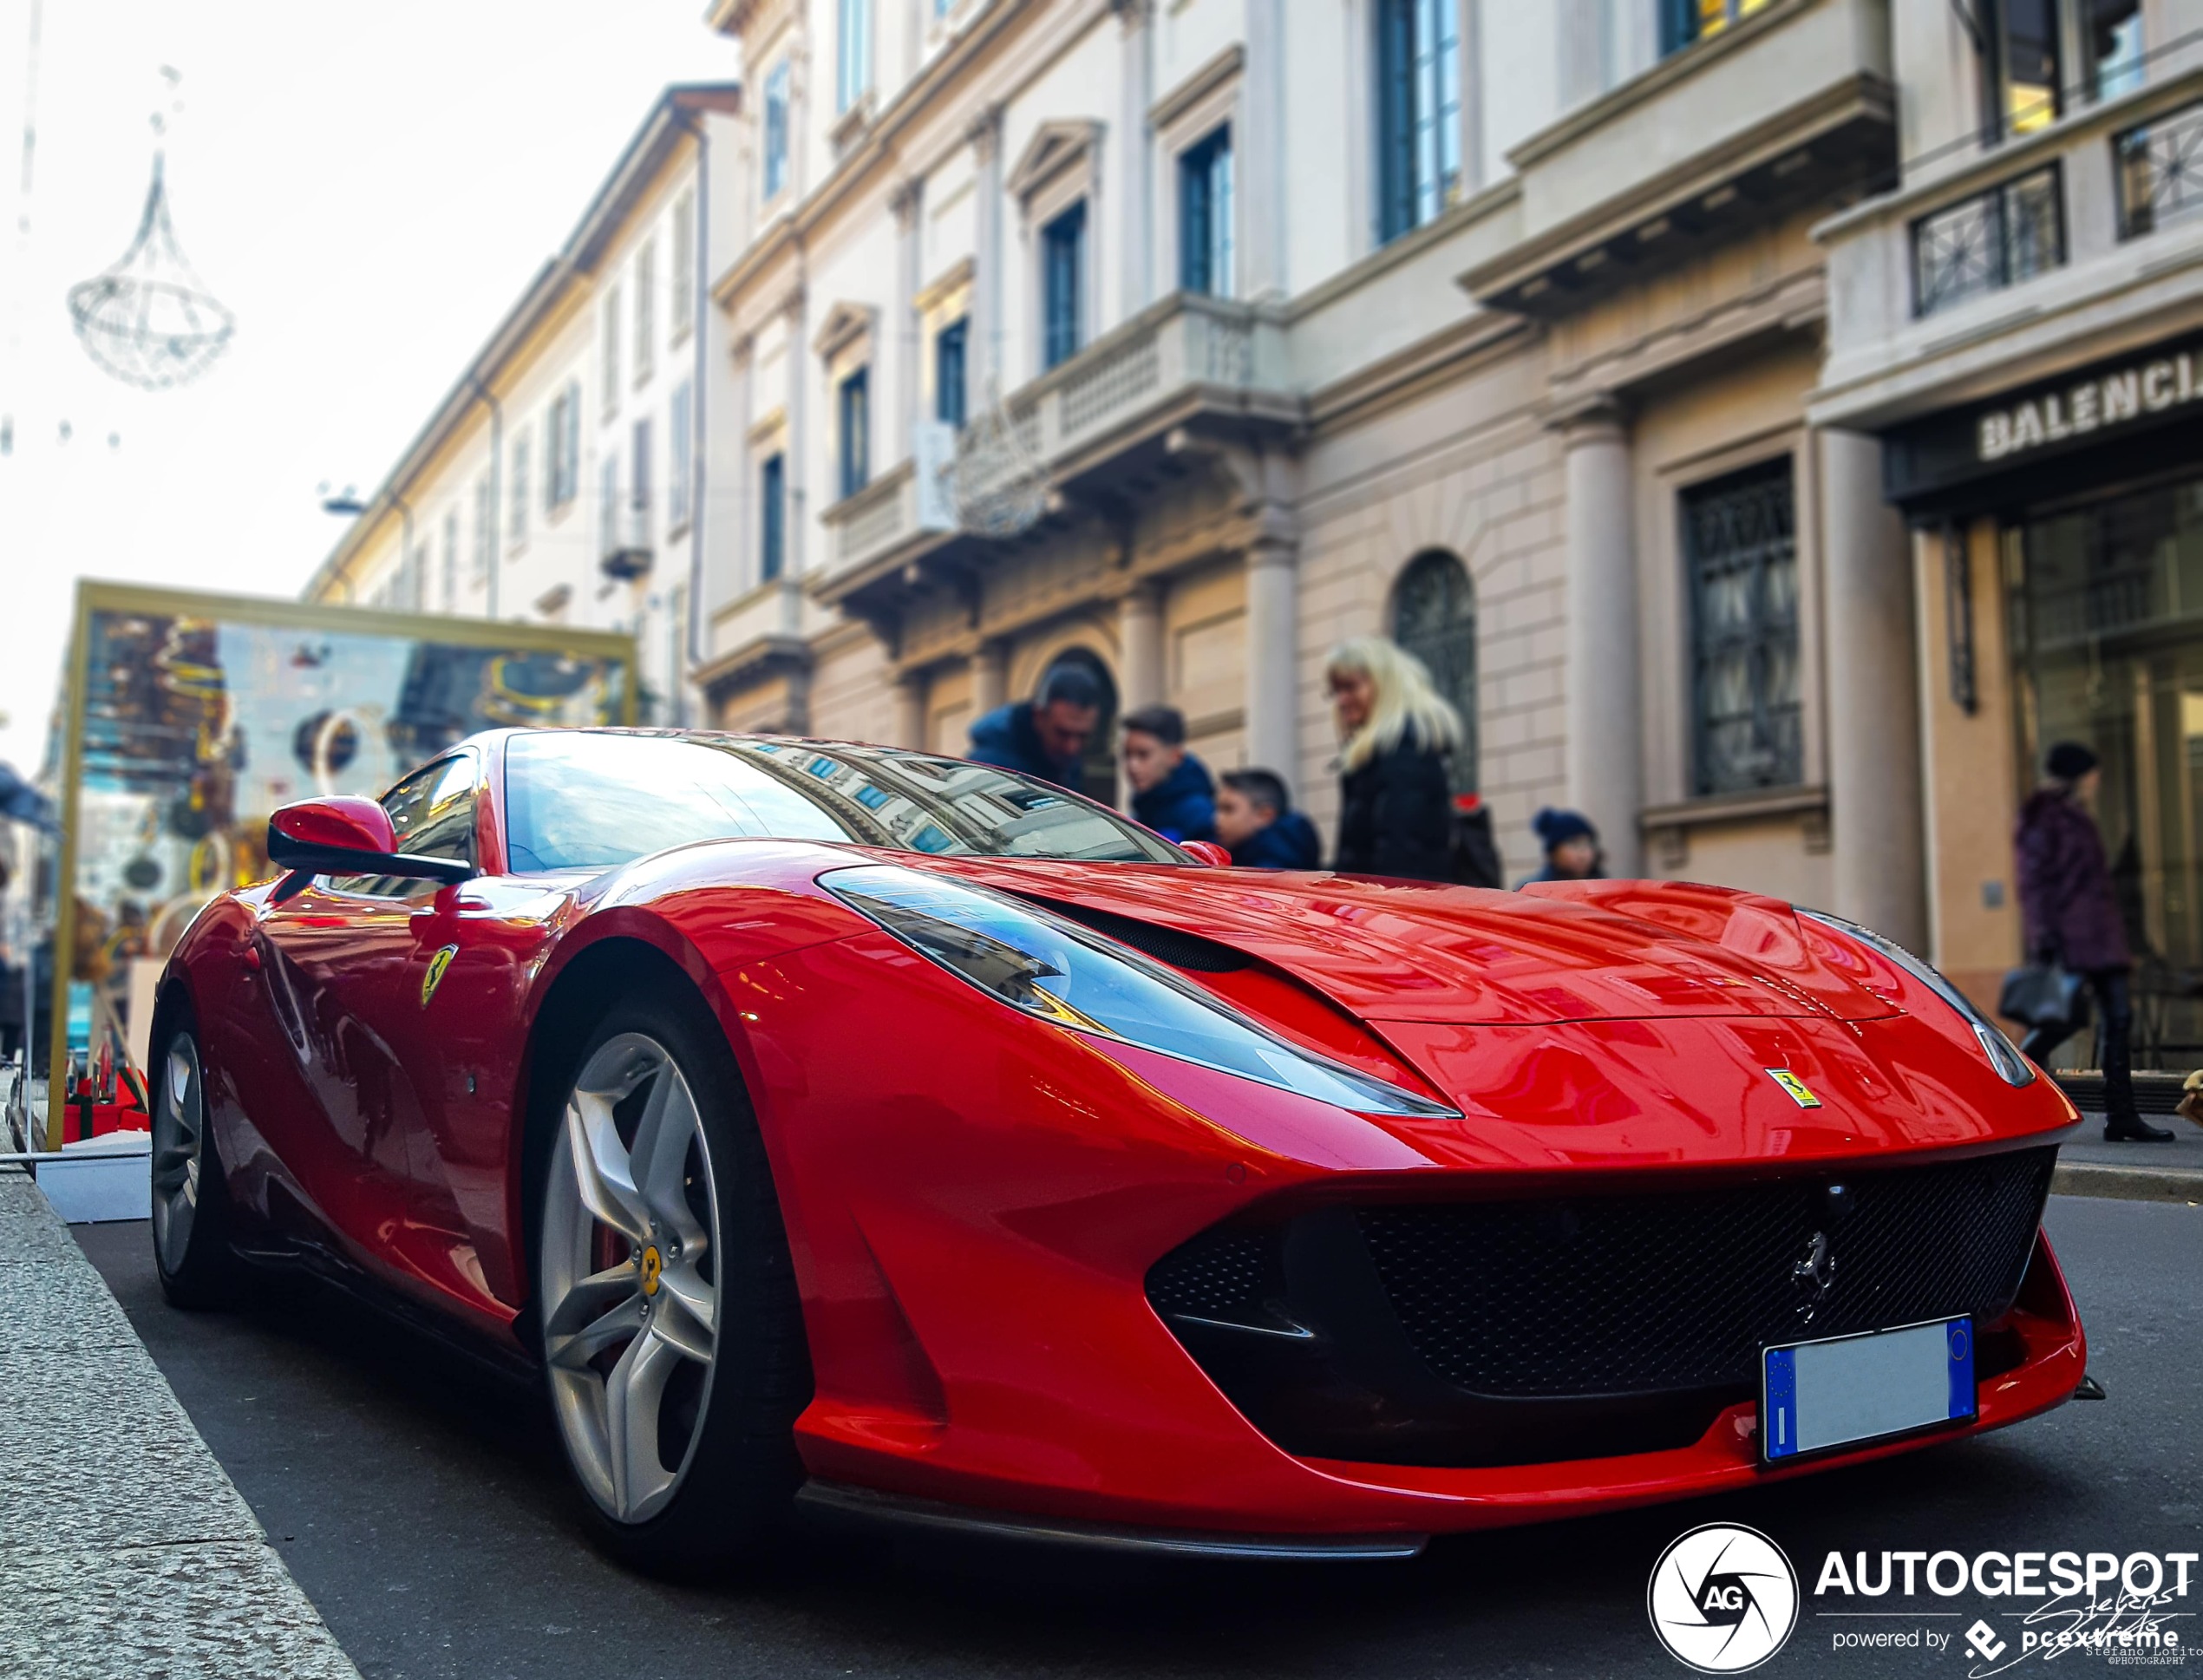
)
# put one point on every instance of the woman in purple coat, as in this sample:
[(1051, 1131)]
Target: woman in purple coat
[(2072, 917)]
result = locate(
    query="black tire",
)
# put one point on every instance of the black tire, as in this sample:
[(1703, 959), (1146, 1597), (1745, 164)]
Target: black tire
[(734, 1488), (191, 1206)]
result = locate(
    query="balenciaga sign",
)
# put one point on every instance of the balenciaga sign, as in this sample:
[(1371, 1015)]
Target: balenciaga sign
[(2113, 400)]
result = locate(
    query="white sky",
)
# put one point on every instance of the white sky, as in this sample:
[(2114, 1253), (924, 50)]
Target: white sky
[(366, 187)]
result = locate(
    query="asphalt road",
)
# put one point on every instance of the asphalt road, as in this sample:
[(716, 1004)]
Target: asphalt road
[(424, 1509)]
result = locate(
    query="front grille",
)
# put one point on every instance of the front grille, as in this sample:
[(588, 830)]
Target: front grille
[(1511, 1332), (1638, 1294)]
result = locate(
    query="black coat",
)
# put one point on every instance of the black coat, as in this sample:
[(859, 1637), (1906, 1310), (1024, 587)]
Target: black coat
[(2066, 897), (1395, 815)]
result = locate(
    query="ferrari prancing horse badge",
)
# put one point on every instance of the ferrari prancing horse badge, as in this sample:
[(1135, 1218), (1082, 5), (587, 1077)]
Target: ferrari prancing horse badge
[(435, 977), (1800, 1092)]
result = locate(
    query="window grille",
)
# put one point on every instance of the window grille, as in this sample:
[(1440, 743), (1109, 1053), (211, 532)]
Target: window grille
[(1996, 238), (2159, 167), (1740, 543)]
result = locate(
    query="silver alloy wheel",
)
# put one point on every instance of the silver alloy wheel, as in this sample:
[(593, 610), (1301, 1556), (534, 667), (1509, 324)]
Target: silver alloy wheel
[(631, 1292), (179, 1148)]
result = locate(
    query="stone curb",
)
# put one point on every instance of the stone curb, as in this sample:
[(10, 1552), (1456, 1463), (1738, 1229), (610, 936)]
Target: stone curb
[(126, 1549), (2082, 1178)]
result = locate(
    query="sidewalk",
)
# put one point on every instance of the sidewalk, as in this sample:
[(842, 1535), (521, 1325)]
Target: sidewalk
[(125, 1550), (2142, 1172)]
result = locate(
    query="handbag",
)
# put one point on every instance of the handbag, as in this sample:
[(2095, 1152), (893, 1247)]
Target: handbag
[(2043, 995)]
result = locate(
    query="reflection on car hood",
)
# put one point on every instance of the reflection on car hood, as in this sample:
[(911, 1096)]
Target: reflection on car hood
[(1399, 950)]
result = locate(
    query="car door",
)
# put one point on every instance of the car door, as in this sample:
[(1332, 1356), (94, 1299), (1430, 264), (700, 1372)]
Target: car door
[(342, 966)]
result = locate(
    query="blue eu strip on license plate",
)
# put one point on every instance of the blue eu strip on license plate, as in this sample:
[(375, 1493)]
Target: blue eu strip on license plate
[(1818, 1395)]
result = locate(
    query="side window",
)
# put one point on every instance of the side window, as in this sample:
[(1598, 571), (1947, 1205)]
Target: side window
[(436, 818)]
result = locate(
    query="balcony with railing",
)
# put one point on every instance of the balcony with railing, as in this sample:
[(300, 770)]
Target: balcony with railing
[(1773, 107), (1096, 421), (2078, 230)]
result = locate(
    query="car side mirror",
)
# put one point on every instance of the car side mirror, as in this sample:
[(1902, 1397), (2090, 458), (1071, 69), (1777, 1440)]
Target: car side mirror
[(341, 836), (1215, 856)]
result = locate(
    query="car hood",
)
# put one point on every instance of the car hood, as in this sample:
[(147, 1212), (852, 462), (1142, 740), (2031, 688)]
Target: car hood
[(1404, 951)]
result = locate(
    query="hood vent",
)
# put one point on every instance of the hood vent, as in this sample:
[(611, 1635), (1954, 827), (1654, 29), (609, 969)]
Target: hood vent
[(1166, 944)]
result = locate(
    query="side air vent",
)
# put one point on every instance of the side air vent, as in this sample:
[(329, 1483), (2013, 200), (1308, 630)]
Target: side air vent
[(1166, 944)]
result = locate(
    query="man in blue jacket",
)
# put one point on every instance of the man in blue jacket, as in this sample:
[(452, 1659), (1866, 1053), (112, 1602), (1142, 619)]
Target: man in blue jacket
[(1044, 736), (1172, 791), (1257, 823)]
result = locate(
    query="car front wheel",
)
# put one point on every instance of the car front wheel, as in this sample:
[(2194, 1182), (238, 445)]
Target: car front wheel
[(671, 1334), (191, 1250)]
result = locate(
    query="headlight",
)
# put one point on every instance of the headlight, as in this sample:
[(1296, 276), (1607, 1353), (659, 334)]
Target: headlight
[(1059, 971), (2003, 1054)]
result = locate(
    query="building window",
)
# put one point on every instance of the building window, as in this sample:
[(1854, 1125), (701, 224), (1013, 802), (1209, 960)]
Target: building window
[(853, 60), (420, 590), (608, 506), (1985, 243), (1062, 284), (639, 482), (684, 267), (1205, 216), (856, 431), (645, 310), (2025, 44), (776, 129), (562, 448), (949, 348), (485, 527), (679, 447), (608, 369), (1740, 543), (1434, 616), (1682, 22), (516, 499), (771, 518), (414, 579), (1419, 112)]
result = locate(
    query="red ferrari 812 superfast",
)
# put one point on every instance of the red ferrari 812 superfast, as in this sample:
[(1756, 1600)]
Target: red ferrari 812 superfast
[(838, 1124)]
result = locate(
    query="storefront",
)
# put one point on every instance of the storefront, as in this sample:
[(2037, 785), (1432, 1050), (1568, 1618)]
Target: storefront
[(2059, 545)]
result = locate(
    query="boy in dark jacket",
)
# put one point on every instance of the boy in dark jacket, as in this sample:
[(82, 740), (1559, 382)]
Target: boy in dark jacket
[(2071, 914), (1171, 790), (1255, 819)]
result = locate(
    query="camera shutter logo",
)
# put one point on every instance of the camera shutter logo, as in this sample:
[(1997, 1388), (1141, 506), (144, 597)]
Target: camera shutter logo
[(1723, 1598)]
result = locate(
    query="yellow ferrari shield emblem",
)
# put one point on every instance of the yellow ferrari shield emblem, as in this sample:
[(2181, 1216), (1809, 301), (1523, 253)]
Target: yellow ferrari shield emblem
[(1800, 1092), (435, 977), (653, 1268)]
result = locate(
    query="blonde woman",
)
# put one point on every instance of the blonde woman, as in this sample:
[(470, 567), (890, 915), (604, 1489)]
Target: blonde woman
[(1396, 814)]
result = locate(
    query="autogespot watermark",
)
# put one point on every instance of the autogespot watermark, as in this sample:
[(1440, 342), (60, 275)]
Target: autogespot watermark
[(1724, 1599)]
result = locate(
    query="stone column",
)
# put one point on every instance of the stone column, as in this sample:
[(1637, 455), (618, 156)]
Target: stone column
[(1136, 202), (989, 679), (909, 203), (1874, 811), (1606, 746), (1259, 155), (795, 455), (1272, 733), (986, 348), (1140, 644), (910, 709)]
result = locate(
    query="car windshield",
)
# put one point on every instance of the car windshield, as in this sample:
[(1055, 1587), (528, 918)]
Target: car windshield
[(584, 799)]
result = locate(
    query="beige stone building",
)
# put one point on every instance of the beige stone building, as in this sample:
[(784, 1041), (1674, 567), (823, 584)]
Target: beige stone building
[(2019, 321), (1490, 327)]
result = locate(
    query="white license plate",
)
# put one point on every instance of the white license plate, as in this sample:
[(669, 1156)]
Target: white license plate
[(1818, 1395)]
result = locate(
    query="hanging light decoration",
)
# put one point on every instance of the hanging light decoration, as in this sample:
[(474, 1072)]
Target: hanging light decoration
[(146, 317)]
